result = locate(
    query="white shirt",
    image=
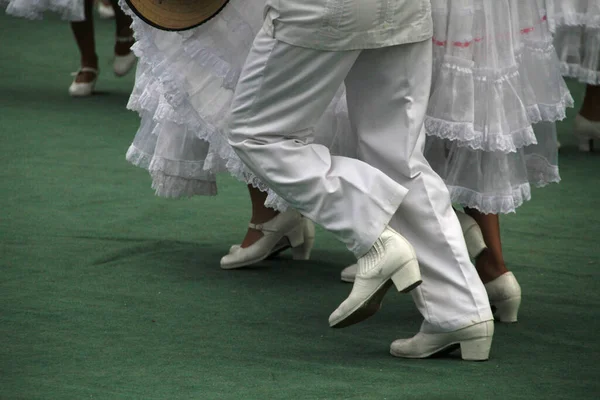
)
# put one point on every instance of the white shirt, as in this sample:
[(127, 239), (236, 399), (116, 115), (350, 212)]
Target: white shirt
[(337, 25)]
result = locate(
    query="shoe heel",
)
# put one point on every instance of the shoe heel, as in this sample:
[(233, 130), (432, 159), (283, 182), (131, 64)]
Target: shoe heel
[(408, 277), (474, 240), (507, 310), (476, 349), (302, 240)]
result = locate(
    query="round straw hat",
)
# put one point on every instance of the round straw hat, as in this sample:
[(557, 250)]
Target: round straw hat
[(176, 15)]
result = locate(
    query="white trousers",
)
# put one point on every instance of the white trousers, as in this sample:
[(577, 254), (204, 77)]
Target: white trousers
[(282, 92)]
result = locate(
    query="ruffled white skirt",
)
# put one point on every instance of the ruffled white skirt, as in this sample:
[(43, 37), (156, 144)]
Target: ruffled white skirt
[(185, 84), (576, 24), (71, 10)]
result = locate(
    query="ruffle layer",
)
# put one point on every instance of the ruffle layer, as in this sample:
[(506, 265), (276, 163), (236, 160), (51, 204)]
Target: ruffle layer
[(70, 10), (583, 13), (173, 156), (495, 182), (579, 52)]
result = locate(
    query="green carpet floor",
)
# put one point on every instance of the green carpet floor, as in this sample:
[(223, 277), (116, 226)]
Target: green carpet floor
[(107, 292)]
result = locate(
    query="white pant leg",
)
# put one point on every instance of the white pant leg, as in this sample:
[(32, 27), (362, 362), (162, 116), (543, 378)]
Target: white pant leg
[(387, 92), (282, 92)]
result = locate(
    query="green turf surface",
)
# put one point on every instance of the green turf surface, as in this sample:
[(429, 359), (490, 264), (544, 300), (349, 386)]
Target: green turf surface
[(107, 292)]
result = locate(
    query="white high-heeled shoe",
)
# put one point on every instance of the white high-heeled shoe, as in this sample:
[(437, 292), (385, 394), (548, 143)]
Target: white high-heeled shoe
[(586, 131), (83, 89), (286, 230), (391, 260), (504, 294), (474, 341), (123, 64)]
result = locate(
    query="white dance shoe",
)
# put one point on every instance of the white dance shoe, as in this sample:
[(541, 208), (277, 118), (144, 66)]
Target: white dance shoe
[(586, 131), (392, 259), (286, 230), (123, 64), (474, 342), (471, 232), (83, 89), (504, 293)]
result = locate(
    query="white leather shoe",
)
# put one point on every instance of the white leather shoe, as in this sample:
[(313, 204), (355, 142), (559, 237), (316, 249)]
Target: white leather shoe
[(123, 64), (83, 89), (586, 131), (286, 230), (504, 293), (474, 341), (392, 259), (472, 234)]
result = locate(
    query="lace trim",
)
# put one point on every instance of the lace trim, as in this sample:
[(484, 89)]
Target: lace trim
[(580, 73), (574, 19), (176, 187), (491, 203), (467, 135), (170, 186), (541, 173)]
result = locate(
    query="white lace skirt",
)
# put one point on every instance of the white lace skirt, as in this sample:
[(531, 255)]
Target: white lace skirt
[(576, 25), (71, 10), (185, 84)]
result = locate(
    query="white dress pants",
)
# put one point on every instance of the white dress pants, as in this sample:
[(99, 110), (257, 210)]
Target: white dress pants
[(282, 92)]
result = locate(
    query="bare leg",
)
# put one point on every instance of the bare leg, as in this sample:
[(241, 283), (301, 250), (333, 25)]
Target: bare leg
[(260, 214), (490, 263), (84, 36), (590, 109), (123, 25)]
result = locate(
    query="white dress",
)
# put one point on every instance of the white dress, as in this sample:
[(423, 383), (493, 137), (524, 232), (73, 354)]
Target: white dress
[(485, 97), (576, 24), (71, 10)]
